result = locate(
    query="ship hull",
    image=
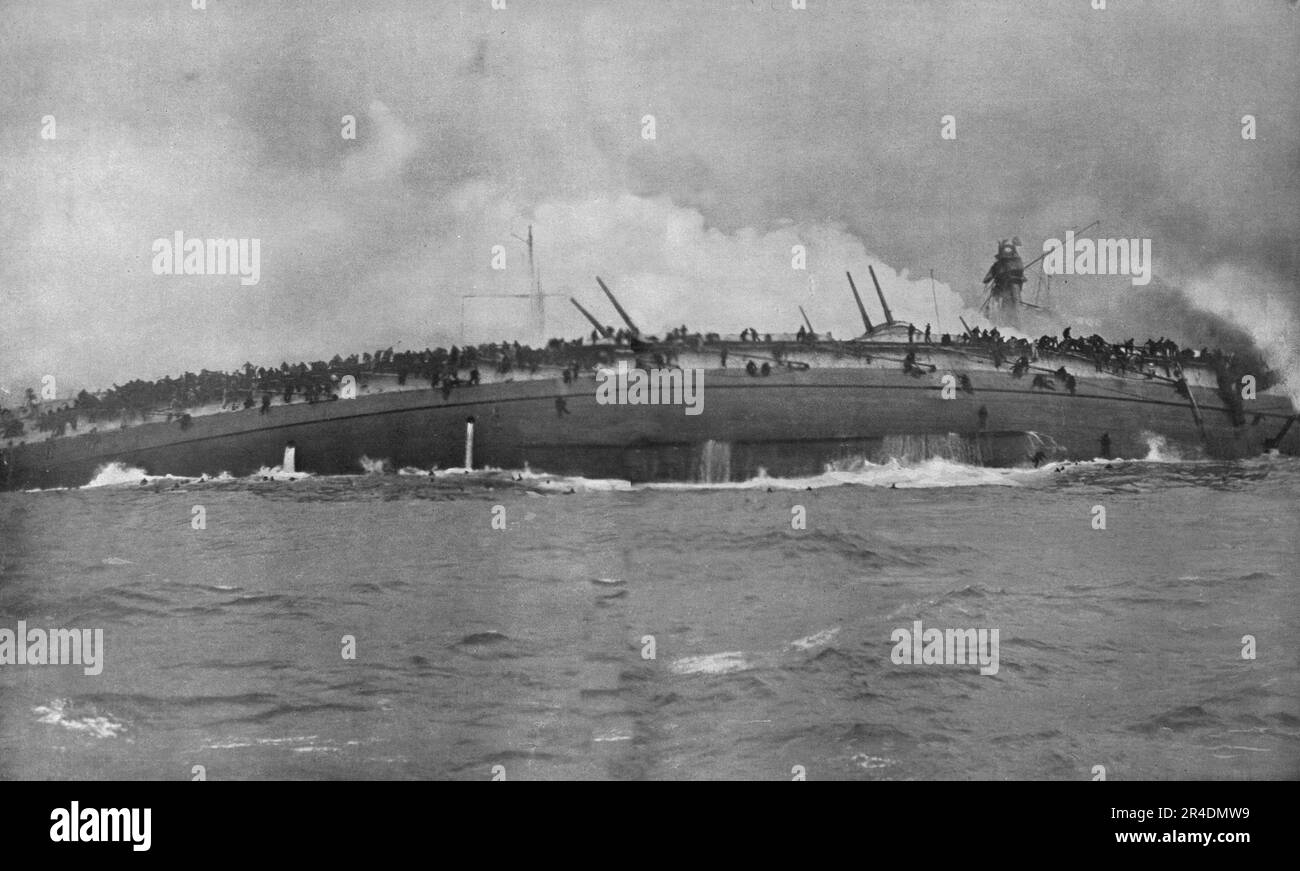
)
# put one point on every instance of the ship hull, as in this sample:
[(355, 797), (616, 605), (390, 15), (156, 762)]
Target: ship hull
[(791, 423)]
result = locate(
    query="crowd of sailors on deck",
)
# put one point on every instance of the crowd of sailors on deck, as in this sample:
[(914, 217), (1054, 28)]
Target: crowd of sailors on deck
[(173, 398), (446, 369), (1118, 358), (1153, 359)]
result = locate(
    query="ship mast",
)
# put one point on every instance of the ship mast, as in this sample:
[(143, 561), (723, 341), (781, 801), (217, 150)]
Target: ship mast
[(535, 279)]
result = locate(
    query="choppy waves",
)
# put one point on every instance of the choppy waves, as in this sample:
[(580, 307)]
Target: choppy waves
[(619, 632)]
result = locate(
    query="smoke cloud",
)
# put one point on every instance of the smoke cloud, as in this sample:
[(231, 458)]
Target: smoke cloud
[(773, 128)]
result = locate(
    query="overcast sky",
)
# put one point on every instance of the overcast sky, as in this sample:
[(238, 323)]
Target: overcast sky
[(773, 128)]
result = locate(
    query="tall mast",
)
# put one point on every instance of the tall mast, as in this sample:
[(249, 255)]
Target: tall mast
[(535, 295), (539, 301)]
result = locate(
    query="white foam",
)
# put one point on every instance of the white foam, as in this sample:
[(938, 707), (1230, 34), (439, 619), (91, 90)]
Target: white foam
[(98, 727), (611, 735), (537, 480), (259, 742), (116, 473), (712, 663), (1159, 450), (374, 467), (275, 473), (461, 470), (869, 762), (564, 483), (927, 474), (935, 473), (817, 639)]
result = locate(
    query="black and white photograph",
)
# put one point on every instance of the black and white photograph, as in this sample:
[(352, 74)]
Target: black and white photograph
[(688, 390)]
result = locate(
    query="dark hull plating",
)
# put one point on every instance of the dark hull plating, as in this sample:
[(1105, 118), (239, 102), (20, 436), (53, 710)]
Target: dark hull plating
[(791, 423)]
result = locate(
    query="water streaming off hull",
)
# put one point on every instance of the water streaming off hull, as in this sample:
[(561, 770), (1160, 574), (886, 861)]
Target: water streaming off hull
[(918, 448), (714, 466)]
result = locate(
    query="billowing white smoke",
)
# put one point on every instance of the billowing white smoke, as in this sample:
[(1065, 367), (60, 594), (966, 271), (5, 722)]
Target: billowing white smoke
[(668, 268)]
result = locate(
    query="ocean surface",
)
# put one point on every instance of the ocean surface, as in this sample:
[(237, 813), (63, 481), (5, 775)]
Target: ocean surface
[(676, 632)]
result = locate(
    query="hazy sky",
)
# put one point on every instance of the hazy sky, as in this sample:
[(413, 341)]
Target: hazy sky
[(773, 127)]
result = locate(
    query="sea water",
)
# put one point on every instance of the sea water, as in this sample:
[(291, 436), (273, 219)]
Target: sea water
[(510, 624)]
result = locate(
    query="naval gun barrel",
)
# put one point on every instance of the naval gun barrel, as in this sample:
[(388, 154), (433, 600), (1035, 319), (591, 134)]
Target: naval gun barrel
[(600, 331), (889, 318), (621, 313), (861, 308), (805, 319)]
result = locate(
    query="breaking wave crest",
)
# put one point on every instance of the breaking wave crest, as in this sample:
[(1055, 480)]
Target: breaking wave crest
[(116, 473), (121, 474)]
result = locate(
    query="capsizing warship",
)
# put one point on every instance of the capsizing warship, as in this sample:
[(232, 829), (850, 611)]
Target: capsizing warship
[(703, 407)]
